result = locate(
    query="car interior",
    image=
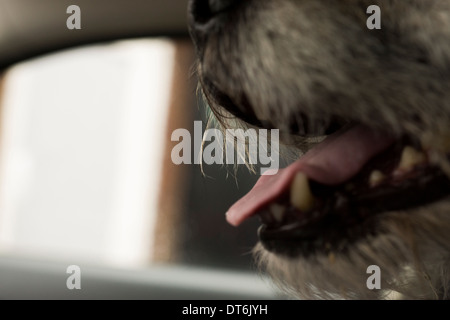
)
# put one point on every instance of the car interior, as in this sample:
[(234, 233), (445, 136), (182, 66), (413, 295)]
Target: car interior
[(86, 175)]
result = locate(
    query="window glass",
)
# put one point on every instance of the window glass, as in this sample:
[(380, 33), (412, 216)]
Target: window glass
[(85, 166)]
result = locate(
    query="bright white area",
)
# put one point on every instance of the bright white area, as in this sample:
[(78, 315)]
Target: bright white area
[(81, 152)]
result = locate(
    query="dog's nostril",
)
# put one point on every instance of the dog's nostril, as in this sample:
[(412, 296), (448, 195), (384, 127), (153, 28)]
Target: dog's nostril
[(200, 10), (203, 10)]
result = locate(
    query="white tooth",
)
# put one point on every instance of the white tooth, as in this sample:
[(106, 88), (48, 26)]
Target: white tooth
[(376, 177), (410, 158), (277, 211), (301, 196)]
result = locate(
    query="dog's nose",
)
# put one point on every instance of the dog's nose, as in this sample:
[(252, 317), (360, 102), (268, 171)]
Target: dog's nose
[(204, 16), (202, 11)]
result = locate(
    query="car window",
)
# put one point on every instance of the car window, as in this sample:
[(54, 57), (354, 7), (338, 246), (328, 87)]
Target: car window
[(86, 172)]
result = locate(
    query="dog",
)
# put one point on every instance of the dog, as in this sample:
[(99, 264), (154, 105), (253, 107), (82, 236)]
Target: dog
[(368, 112)]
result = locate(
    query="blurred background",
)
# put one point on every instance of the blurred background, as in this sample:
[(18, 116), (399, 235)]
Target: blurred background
[(86, 178)]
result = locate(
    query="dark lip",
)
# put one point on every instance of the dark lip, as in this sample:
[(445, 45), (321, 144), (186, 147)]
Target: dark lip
[(346, 216), (244, 111)]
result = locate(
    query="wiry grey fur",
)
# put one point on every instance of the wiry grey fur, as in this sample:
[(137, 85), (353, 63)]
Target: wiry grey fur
[(282, 58)]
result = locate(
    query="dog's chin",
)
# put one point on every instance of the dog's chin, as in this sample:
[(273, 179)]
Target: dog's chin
[(410, 248)]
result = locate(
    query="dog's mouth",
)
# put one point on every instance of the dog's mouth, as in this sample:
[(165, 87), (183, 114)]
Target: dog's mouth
[(331, 197)]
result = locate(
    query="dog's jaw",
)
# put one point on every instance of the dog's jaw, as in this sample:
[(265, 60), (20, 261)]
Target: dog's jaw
[(413, 264), (316, 63)]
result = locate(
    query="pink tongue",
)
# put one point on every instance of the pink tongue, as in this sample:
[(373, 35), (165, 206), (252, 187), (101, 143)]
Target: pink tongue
[(335, 160)]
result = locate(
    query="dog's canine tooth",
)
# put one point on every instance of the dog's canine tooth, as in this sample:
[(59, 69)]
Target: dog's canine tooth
[(300, 195), (410, 158), (277, 211), (376, 177)]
